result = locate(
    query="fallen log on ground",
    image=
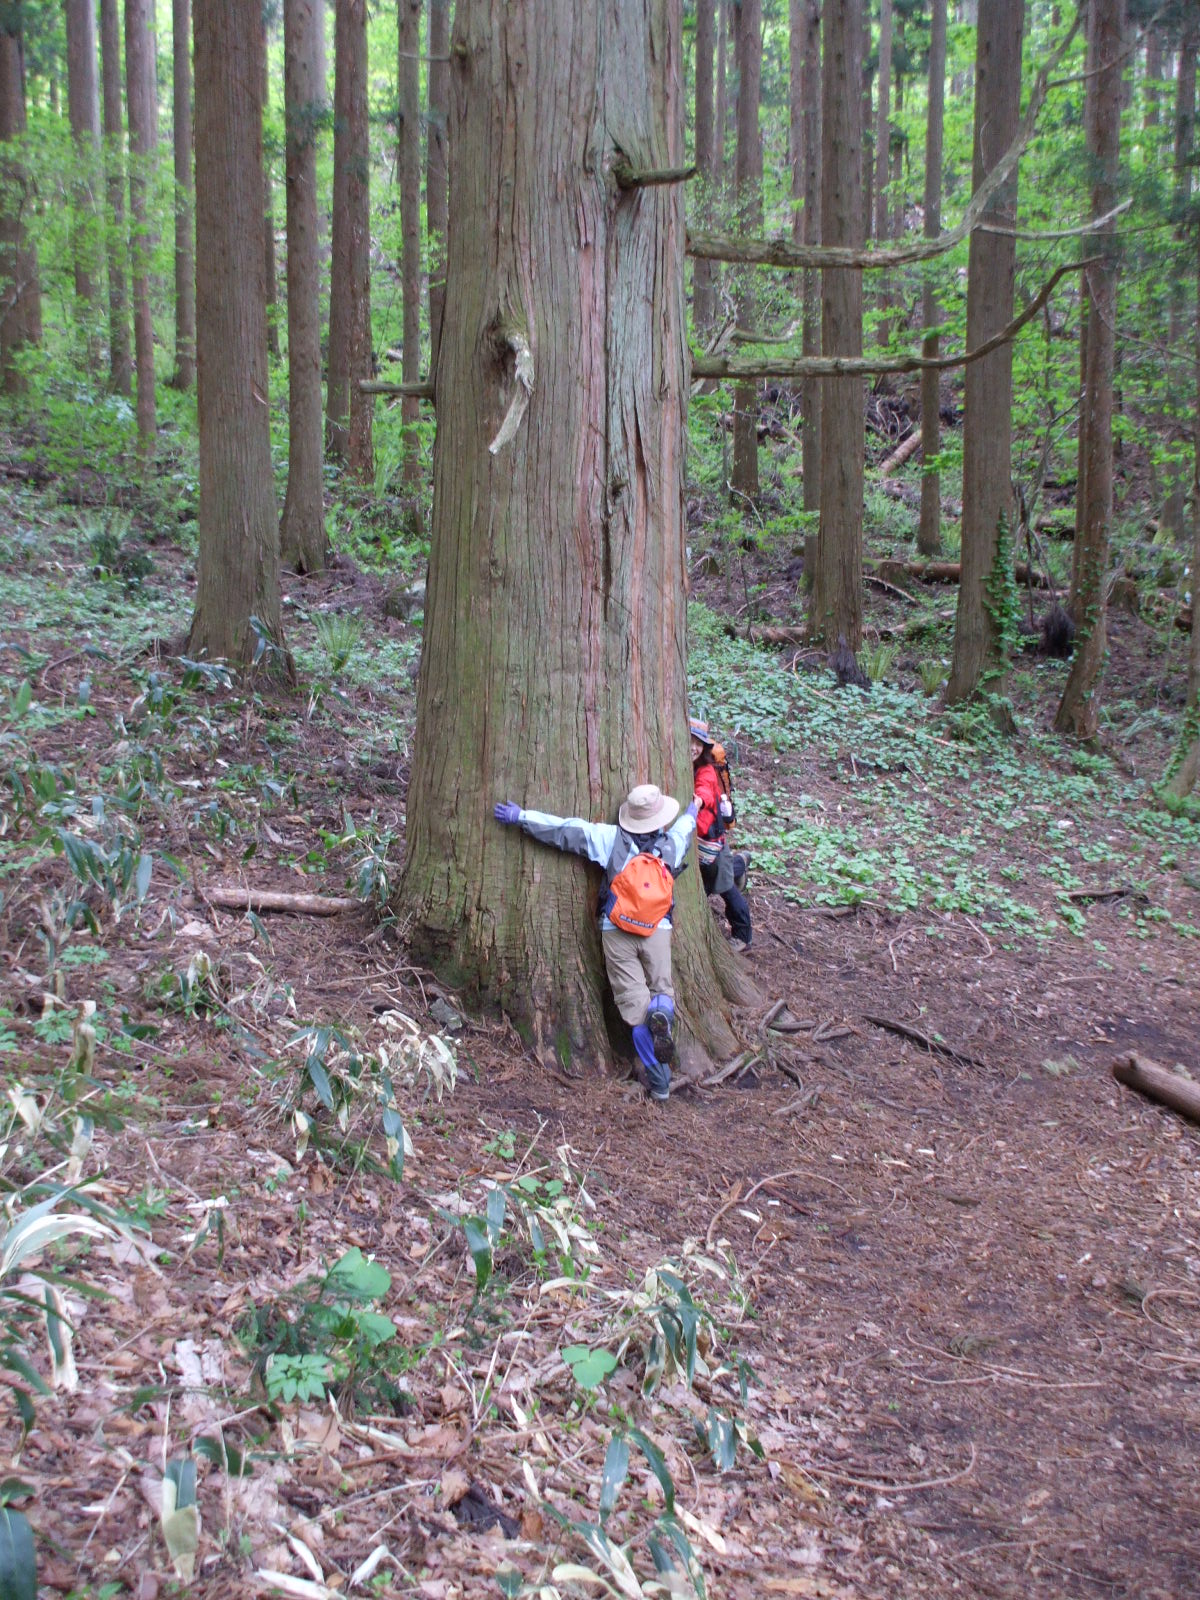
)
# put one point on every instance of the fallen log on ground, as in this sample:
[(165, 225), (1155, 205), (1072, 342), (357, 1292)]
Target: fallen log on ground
[(296, 905), (1159, 1083), (902, 453), (948, 572)]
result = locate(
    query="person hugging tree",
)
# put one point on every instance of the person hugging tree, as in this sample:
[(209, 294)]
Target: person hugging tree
[(723, 872), (641, 856)]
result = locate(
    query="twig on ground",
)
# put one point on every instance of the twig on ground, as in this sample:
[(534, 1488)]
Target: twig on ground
[(894, 1486), (935, 1046)]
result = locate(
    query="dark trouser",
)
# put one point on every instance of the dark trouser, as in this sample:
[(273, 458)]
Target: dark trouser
[(736, 907)]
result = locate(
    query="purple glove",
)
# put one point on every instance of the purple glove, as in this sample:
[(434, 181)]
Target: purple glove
[(693, 810), (505, 811)]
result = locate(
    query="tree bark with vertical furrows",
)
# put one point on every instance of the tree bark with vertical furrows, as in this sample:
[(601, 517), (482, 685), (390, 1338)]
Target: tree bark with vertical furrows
[(348, 411), (120, 352), (883, 109), (408, 166), (238, 571), (810, 389), (435, 167), (1078, 711), (143, 125), (20, 297), (83, 109), (184, 375), (929, 532), (979, 662), (303, 544), (835, 613), (749, 212), (703, 297), (553, 666), (796, 42)]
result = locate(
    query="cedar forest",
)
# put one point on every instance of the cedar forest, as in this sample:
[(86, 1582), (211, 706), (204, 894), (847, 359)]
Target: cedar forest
[(410, 407)]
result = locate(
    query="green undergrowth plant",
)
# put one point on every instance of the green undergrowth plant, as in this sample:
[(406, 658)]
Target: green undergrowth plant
[(327, 1336)]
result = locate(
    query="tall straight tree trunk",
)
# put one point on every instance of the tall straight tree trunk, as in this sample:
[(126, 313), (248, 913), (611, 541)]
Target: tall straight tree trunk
[(554, 664), (238, 572), (883, 111), (1184, 771), (979, 662), (749, 206), (120, 353), (721, 98), (867, 161), (1172, 519), (20, 299), (185, 255), (810, 389), (302, 528), (83, 108), (409, 165), (836, 610), (1153, 81), (796, 41), (348, 411), (883, 123), (703, 298), (1078, 711), (143, 123), (435, 167), (1085, 310), (929, 533), (269, 270)]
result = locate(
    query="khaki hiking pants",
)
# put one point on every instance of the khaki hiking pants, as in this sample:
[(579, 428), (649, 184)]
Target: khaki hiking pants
[(637, 969)]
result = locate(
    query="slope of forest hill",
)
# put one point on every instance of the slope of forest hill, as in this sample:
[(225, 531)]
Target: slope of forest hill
[(922, 1251)]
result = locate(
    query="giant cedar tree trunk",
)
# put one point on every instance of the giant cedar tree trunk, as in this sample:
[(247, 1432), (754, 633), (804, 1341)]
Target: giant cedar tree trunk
[(836, 610), (83, 108), (703, 298), (348, 411), (20, 300), (302, 528), (978, 661), (554, 659), (143, 123), (810, 389), (1078, 710), (409, 167), (435, 167), (184, 375), (238, 574), (929, 533), (750, 212), (120, 352)]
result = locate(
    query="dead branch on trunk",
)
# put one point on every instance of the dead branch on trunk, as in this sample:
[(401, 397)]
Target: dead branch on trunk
[(629, 177), (1159, 1083), (297, 905), (866, 366), (422, 389)]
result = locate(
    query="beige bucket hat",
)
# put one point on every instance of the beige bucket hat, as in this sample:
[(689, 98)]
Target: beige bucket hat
[(647, 809)]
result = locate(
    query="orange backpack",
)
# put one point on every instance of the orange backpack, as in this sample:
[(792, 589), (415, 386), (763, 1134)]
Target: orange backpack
[(640, 895)]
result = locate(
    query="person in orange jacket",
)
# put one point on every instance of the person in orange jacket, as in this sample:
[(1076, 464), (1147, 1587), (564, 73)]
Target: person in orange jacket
[(723, 872)]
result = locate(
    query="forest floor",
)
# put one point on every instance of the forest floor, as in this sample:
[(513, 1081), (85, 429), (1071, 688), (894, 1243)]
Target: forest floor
[(964, 1273)]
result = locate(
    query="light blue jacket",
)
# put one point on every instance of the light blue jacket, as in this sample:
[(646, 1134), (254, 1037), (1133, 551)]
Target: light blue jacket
[(597, 841)]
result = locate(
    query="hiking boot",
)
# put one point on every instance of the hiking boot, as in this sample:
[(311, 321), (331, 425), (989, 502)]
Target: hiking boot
[(660, 1033), (740, 945)]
